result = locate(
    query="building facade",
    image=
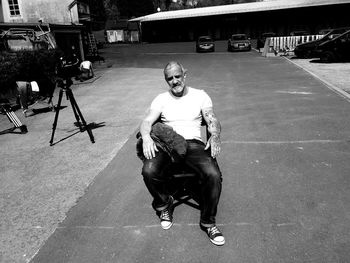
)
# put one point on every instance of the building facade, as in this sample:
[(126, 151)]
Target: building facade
[(31, 11), (68, 20), (279, 16)]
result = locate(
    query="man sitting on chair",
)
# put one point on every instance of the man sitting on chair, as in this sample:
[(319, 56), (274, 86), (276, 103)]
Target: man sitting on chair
[(183, 108)]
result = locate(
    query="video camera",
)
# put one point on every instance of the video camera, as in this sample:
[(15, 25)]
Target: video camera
[(67, 68)]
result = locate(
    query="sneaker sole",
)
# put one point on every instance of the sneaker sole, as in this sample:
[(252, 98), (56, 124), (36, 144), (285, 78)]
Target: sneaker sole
[(166, 228), (217, 243)]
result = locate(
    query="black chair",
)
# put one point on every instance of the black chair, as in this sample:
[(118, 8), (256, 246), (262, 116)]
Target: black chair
[(184, 182)]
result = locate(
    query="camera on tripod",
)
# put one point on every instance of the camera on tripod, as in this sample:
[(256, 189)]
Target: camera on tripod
[(67, 68)]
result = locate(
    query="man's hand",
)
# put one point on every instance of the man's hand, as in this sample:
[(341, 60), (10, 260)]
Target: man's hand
[(215, 145), (149, 147)]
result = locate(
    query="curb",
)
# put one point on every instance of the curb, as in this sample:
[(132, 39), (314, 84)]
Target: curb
[(332, 87)]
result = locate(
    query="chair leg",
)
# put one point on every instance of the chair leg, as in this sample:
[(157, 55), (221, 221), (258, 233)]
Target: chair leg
[(184, 195)]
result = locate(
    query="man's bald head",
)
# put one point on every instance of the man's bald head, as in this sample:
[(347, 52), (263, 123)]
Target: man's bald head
[(174, 64)]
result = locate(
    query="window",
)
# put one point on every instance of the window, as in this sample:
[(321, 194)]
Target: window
[(14, 7)]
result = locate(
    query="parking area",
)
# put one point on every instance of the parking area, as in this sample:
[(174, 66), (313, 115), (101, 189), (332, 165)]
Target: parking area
[(285, 139)]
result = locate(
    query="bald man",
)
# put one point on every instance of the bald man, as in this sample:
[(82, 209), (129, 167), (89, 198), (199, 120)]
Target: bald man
[(183, 108)]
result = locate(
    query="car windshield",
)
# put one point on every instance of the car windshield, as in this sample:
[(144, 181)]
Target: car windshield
[(334, 33), (239, 37), (205, 39)]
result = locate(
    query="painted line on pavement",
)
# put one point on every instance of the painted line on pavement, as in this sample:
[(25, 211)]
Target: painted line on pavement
[(238, 224), (284, 142), (182, 53), (332, 87)]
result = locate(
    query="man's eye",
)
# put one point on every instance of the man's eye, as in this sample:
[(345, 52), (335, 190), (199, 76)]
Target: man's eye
[(170, 78)]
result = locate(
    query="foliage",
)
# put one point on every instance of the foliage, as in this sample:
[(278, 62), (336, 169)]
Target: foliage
[(98, 14), (183, 4), (134, 8), (117, 9), (36, 65)]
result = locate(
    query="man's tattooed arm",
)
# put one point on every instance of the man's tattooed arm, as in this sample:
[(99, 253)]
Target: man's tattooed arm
[(214, 128)]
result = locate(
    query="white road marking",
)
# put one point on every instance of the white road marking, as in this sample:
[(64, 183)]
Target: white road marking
[(283, 142)]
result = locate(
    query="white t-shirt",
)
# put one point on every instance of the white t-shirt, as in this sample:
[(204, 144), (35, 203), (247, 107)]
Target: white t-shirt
[(183, 114), (86, 64)]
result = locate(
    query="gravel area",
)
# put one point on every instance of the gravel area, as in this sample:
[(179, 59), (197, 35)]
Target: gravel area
[(334, 75)]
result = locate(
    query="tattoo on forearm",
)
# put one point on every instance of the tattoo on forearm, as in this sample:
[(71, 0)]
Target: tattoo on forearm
[(214, 126)]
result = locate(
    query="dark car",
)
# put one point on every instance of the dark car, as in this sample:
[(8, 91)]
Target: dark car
[(239, 42), (205, 44), (336, 49), (308, 49)]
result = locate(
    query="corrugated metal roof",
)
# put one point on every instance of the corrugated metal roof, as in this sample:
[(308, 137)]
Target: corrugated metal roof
[(237, 8)]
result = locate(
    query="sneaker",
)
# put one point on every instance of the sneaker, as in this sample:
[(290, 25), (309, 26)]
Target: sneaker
[(214, 235), (166, 216)]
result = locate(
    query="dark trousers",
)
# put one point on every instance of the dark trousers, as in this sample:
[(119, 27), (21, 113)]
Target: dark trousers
[(155, 177)]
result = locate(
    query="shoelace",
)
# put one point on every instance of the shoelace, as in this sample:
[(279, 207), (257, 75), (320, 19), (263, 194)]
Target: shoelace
[(213, 230), (165, 215)]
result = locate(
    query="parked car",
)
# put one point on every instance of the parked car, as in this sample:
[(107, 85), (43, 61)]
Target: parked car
[(205, 44), (308, 49), (261, 40), (336, 49), (239, 42)]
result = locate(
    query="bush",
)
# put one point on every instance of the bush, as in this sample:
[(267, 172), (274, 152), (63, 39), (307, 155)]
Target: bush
[(38, 65)]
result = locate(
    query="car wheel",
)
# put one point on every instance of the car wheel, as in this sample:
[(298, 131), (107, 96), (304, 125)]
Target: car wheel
[(327, 57)]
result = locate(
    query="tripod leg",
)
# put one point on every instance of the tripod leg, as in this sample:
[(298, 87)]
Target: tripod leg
[(74, 107), (77, 110), (54, 125)]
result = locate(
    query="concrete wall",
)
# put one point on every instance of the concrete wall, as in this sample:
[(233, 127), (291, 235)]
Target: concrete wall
[(50, 11)]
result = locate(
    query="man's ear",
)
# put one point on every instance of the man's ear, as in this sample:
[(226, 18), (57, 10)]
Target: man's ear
[(185, 73)]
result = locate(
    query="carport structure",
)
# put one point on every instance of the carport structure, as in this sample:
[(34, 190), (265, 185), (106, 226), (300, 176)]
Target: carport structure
[(279, 16)]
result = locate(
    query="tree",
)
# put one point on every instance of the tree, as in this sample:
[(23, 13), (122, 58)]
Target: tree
[(98, 13), (182, 4), (111, 9), (134, 8)]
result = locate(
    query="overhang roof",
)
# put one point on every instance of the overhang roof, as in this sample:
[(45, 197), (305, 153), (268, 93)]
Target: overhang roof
[(237, 8), (44, 26)]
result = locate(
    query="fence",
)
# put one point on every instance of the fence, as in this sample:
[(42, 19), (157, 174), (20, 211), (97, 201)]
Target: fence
[(285, 45)]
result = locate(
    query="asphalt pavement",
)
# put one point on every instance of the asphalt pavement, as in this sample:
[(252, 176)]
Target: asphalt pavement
[(284, 160)]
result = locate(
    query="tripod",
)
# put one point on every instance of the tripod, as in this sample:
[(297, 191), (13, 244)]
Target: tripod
[(64, 85), (6, 108)]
